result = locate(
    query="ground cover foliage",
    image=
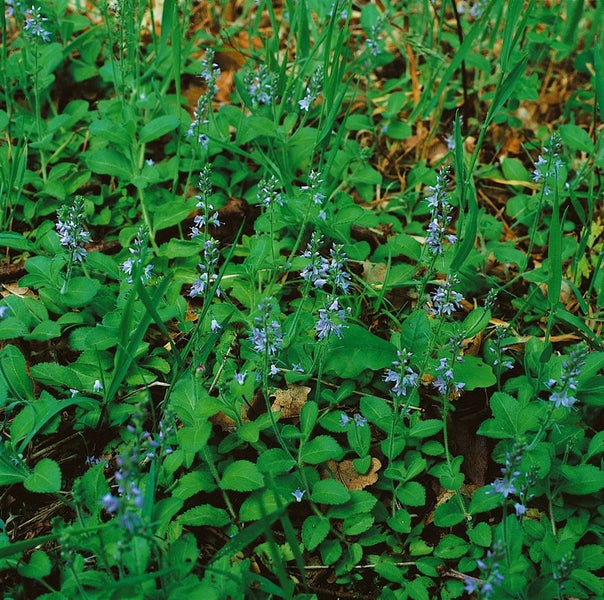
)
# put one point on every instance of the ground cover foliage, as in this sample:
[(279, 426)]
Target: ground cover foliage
[(301, 299)]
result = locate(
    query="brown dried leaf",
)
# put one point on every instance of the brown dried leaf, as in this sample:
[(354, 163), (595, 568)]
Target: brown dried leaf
[(350, 477), (290, 401)]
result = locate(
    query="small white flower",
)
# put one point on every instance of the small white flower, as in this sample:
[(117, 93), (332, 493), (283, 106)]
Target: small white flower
[(298, 494), (98, 386)]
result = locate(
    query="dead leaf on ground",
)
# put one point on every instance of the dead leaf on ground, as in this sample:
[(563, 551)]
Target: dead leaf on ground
[(290, 401), (350, 477)]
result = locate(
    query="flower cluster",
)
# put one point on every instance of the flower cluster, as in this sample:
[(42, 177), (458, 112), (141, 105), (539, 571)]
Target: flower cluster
[(374, 42), (403, 377), (445, 379), (261, 85), (210, 72), (445, 299), (34, 25), (548, 165), (136, 261), (208, 216), (491, 576), (440, 214), (358, 419), (267, 193), (313, 89), (129, 500), (321, 271), (208, 268), (314, 187), (495, 351), (563, 390), (513, 481), (266, 336), (332, 319), (70, 219)]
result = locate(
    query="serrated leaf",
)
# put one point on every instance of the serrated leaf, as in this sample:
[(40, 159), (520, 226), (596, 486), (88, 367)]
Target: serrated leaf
[(314, 531), (330, 491), (242, 476), (357, 524), (205, 514), (582, 479), (411, 493), (320, 449), (45, 478), (448, 514)]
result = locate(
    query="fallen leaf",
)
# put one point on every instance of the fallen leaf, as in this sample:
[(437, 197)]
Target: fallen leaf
[(350, 477), (290, 401)]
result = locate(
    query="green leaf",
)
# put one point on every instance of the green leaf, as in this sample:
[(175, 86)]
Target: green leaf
[(314, 531), (451, 546), (582, 479), (481, 534), (80, 292), (204, 514), (576, 138), (16, 241), (411, 493), (14, 371), (47, 330), (242, 476), (357, 524), (108, 162), (194, 482), (426, 428), (593, 583), (275, 461), (193, 439), (474, 372), (45, 478), (158, 127), (330, 491), (356, 351), (9, 472), (377, 411), (308, 417), (320, 449), (38, 567), (476, 321), (448, 514)]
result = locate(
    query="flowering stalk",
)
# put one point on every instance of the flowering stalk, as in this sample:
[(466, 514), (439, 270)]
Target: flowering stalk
[(72, 234)]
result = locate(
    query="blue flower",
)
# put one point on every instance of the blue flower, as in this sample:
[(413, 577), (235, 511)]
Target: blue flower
[(298, 494)]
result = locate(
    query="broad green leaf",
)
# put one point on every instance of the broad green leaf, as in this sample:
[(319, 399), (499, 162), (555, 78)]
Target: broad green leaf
[(38, 567), (426, 428), (448, 514), (377, 411), (411, 493), (582, 479), (194, 482), (357, 524), (275, 461), (158, 127), (576, 138), (330, 491), (474, 373), (14, 371), (308, 417), (356, 351), (360, 501), (242, 476), (108, 162), (45, 478), (16, 241), (314, 531), (451, 546), (481, 534), (47, 330), (194, 439), (80, 292), (204, 514), (320, 449)]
